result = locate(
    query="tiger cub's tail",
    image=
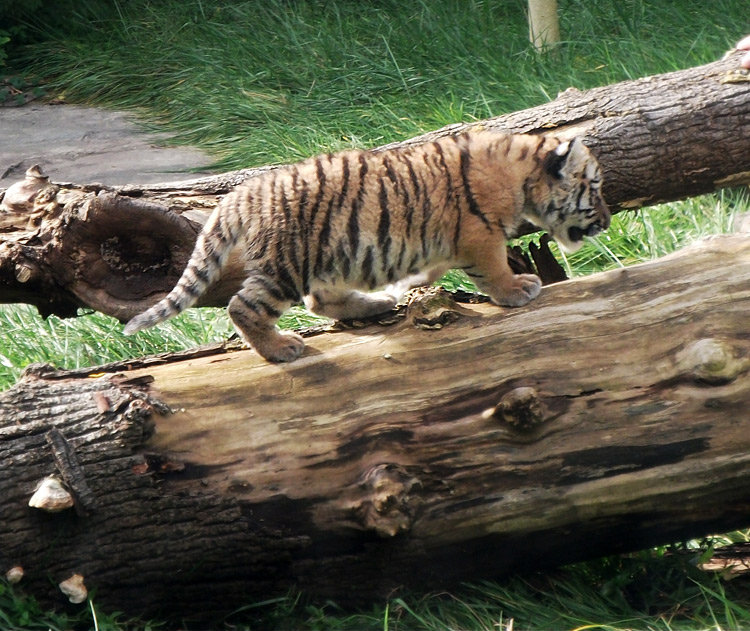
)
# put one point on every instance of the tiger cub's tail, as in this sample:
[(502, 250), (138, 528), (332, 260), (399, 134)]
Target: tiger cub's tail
[(212, 249)]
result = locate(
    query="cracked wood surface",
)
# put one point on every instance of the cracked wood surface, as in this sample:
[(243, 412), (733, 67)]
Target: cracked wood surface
[(608, 415)]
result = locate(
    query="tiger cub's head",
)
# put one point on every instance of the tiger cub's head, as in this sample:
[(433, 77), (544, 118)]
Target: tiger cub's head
[(567, 202)]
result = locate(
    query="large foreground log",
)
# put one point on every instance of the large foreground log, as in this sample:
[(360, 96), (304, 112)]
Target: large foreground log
[(117, 251), (456, 444)]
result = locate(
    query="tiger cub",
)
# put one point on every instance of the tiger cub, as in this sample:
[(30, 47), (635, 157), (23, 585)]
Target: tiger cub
[(324, 228)]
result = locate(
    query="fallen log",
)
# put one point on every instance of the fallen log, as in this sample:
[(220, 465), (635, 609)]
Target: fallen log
[(119, 250), (461, 442)]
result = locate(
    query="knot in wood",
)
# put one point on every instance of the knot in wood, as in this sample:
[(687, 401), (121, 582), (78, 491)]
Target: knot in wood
[(137, 410), (521, 408), (711, 361), (387, 507), (432, 308)]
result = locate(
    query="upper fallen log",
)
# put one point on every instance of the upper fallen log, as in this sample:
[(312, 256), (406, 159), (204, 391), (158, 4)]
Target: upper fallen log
[(460, 443), (119, 250)]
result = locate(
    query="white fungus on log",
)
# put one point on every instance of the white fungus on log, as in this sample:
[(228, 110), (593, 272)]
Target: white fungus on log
[(14, 574), (51, 496), (74, 589)]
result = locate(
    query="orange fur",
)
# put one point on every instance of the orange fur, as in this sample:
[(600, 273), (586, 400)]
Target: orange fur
[(333, 225)]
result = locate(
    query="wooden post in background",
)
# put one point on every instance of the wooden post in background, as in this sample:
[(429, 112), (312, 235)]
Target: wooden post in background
[(544, 27)]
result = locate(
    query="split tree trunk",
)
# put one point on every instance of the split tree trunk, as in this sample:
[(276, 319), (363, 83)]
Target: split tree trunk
[(118, 251), (459, 443)]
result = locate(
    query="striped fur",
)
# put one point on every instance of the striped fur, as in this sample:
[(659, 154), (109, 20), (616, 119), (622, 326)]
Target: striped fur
[(332, 225)]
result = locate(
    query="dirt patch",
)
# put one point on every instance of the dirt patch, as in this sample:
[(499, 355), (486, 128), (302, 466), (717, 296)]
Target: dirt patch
[(89, 145)]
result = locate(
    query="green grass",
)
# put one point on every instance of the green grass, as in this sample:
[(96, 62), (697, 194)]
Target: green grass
[(658, 590), (263, 82)]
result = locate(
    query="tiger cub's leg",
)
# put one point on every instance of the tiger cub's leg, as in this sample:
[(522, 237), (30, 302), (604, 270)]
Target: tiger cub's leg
[(254, 311), (493, 276), (426, 277), (348, 303)]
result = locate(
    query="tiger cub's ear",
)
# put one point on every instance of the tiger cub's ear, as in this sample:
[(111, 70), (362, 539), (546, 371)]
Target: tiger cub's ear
[(564, 158)]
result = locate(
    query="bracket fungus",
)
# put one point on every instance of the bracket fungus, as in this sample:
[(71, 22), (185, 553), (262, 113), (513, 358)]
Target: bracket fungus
[(51, 496), (74, 589)]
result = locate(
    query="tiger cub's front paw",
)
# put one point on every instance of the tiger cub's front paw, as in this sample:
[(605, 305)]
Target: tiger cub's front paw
[(525, 287), (279, 346)]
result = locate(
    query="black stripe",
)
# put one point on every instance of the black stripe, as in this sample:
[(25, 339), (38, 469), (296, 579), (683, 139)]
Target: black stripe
[(445, 172), (201, 274), (344, 183), (270, 311), (401, 253), (325, 231), (367, 267), (214, 258), (306, 235), (416, 193), (426, 215), (287, 284), (384, 225), (270, 286), (173, 304), (346, 265), (250, 305), (285, 208), (301, 194), (192, 290), (352, 228), (273, 200), (423, 236), (220, 230), (465, 158), (322, 241), (539, 145), (320, 172), (330, 265), (413, 269), (260, 243), (444, 168), (389, 170), (581, 191), (292, 226)]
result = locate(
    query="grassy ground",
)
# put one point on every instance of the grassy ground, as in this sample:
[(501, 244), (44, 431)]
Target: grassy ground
[(263, 82)]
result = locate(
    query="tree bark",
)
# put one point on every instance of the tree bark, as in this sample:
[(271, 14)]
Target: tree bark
[(118, 251), (462, 442)]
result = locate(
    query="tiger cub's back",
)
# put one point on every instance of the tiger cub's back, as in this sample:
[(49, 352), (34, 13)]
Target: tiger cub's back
[(364, 219)]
